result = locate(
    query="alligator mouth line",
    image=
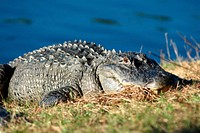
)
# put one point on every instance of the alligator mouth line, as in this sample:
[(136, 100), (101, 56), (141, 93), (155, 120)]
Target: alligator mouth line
[(145, 85), (156, 90)]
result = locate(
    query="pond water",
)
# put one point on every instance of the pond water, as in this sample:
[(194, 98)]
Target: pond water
[(126, 25)]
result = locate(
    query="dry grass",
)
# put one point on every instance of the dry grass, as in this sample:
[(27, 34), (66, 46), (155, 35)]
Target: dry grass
[(132, 110)]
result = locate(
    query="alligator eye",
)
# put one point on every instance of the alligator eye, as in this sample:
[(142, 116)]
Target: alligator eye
[(126, 60)]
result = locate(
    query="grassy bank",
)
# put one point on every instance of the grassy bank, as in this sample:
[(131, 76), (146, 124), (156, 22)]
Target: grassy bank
[(133, 110)]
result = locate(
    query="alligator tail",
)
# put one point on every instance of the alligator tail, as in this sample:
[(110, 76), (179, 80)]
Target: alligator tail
[(6, 73)]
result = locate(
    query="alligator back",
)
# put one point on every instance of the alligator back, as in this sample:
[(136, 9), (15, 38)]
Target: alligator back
[(51, 68)]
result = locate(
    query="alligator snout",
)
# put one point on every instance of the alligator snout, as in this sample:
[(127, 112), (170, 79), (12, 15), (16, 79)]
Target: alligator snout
[(171, 81)]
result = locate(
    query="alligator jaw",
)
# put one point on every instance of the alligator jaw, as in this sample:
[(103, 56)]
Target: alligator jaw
[(180, 83), (175, 82), (153, 88)]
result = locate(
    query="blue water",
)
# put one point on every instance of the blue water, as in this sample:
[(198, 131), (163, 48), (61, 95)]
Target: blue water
[(125, 25)]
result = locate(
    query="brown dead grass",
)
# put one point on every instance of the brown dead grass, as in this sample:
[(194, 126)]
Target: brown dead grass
[(130, 93), (190, 70)]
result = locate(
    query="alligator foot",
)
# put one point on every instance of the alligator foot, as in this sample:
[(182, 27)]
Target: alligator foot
[(61, 95)]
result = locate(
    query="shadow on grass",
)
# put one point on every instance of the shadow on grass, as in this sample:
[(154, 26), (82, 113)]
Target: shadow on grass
[(192, 129)]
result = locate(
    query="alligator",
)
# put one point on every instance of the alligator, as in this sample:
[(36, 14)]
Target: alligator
[(63, 72)]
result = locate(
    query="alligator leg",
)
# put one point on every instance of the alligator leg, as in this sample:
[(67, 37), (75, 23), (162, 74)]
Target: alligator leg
[(61, 95)]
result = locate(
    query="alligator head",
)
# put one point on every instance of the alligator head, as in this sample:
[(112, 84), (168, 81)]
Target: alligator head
[(132, 68)]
